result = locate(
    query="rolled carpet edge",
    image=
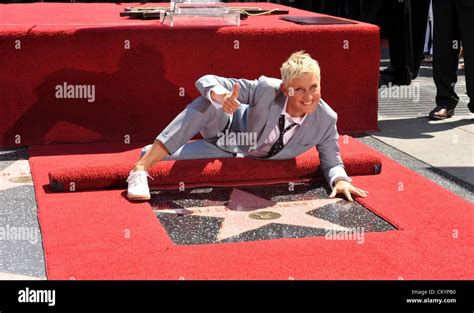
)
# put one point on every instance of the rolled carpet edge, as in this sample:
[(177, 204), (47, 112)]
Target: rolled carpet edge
[(210, 172)]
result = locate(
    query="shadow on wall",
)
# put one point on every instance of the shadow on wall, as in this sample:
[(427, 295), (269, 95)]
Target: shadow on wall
[(111, 105)]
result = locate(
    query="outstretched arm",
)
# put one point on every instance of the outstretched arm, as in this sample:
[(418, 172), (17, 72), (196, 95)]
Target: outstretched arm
[(333, 168)]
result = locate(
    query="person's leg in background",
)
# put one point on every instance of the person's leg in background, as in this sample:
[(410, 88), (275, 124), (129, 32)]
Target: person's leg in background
[(419, 18), (353, 9), (397, 23), (465, 11), (446, 44), (371, 11), (333, 7), (313, 6), (428, 50)]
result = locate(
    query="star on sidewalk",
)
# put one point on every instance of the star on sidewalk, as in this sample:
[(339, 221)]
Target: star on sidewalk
[(245, 212), (15, 175)]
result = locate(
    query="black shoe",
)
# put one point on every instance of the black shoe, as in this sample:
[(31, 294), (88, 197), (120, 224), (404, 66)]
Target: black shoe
[(388, 80), (446, 113), (397, 81), (388, 71), (396, 77), (401, 82), (471, 106), (428, 58)]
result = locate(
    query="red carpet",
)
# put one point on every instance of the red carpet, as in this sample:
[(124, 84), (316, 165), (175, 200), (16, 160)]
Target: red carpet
[(196, 173), (100, 235), (139, 89)]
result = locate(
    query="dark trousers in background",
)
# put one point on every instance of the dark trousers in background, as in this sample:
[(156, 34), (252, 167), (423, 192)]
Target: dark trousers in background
[(299, 4), (370, 11), (361, 10), (404, 24), (419, 12), (333, 7), (453, 23), (352, 9)]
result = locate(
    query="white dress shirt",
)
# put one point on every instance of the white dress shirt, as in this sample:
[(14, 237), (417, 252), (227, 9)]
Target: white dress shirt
[(263, 150)]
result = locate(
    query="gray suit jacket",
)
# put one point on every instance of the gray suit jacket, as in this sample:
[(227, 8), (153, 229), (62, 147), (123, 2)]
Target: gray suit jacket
[(262, 103)]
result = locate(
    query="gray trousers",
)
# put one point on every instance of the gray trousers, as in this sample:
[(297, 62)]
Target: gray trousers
[(200, 116)]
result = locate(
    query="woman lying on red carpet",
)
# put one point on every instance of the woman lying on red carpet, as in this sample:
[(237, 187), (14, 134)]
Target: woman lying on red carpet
[(266, 118)]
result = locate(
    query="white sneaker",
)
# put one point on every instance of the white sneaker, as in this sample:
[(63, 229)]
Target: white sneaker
[(138, 186)]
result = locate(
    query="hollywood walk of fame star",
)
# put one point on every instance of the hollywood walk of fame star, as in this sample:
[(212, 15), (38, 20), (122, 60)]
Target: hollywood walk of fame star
[(15, 175), (245, 212)]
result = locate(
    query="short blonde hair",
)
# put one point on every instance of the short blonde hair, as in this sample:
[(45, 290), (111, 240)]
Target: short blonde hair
[(298, 64)]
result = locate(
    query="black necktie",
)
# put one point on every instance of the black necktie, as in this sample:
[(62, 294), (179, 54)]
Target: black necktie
[(278, 145)]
